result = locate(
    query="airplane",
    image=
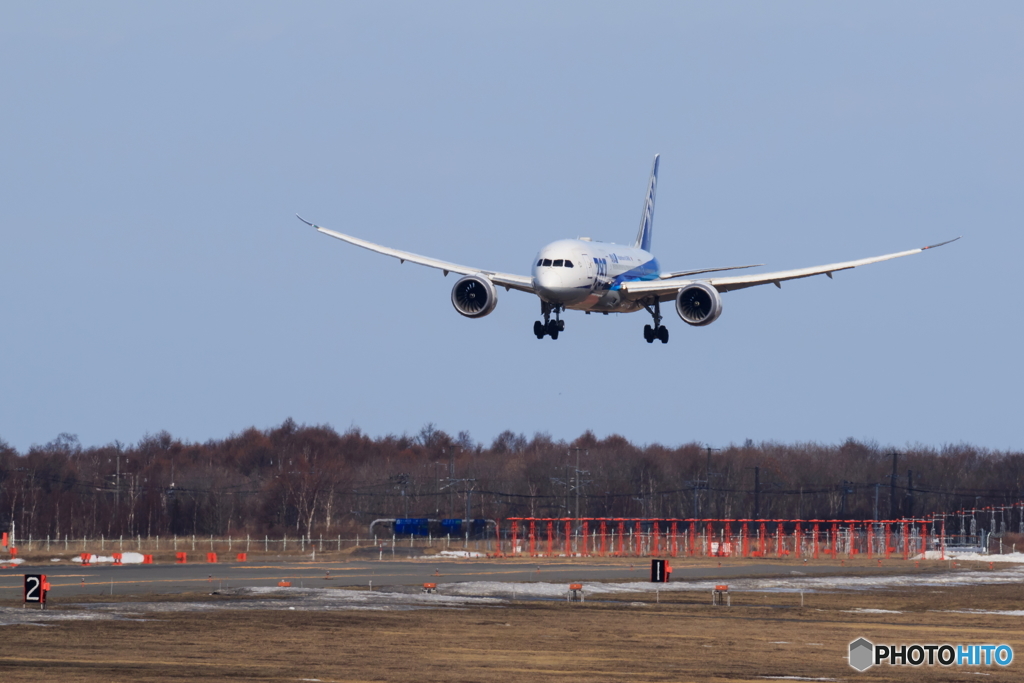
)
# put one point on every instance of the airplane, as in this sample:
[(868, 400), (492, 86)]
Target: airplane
[(596, 277)]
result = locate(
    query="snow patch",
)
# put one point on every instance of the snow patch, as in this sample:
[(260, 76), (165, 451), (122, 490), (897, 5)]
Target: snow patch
[(11, 616), (13, 560), (267, 598), (458, 553), (1003, 613), (970, 556), (787, 584), (126, 558)]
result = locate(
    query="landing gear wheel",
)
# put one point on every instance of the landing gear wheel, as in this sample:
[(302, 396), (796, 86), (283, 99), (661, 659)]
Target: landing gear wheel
[(538, 329), (657, 332), (561, 326), (552, 328)]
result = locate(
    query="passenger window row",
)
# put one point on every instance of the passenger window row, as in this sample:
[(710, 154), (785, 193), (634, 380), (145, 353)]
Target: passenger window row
[(557, 263)]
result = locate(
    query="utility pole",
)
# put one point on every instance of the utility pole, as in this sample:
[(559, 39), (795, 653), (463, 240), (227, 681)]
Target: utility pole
[(451, 478), (707, 481), (702, 484), (450, 485), (577, 483), (405, 498), (576, 479), (893, 508), (471, 483), (757, 493), (910, 493), (846, 490), (568, 488)]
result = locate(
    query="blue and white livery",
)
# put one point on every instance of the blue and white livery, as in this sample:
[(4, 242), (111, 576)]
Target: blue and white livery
[(590, 276)]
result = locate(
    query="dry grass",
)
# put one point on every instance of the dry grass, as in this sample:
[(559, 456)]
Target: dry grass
[(681, 638)]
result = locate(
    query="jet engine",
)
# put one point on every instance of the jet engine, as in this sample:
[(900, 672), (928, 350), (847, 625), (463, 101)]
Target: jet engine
[(698, 304), (474, 296)]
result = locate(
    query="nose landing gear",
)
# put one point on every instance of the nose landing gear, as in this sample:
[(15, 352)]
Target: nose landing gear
[(659, 331), (549, 327)]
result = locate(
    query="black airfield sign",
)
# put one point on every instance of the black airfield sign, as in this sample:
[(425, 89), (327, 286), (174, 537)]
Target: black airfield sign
[(35, 588), (660, 571)]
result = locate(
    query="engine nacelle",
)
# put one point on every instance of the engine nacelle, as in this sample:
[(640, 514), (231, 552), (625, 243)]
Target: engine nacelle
[(698, 304), (474, 296)]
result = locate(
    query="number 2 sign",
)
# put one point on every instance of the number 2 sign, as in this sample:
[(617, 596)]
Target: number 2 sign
[(35, 588)]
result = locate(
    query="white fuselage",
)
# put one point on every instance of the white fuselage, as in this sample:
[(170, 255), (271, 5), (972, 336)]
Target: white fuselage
[(592, 280)]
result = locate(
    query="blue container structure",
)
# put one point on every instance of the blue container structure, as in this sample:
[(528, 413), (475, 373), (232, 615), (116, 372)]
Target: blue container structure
[(452, 526), (412, 526)]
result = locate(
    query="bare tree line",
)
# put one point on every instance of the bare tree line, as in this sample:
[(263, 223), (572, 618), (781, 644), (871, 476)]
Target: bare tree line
[(312, 480)]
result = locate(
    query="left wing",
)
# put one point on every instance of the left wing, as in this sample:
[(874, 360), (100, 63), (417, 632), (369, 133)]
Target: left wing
[(506, 280), (667, 289)]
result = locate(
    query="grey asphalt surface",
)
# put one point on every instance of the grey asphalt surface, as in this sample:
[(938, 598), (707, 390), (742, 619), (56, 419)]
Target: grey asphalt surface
[(68, 581)]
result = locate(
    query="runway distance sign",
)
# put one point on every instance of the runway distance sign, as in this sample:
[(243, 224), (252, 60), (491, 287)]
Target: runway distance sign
[(35, 588)]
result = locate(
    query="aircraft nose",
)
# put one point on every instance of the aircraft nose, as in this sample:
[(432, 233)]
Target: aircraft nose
[(553, 285)]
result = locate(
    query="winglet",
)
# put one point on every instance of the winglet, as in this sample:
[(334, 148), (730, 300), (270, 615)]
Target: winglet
[(312, 225), (643, 235), (932, 246)]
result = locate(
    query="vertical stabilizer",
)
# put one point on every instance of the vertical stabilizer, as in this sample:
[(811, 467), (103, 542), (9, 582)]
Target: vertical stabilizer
[(643, 236)]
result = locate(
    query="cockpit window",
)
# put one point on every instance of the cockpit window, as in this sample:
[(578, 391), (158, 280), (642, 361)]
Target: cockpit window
[(547, 262), (568, 263), (540, 262), (557, 263)]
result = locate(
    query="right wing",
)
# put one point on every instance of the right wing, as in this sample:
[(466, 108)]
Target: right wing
[(506, 280), (687, 273), (667, 289)]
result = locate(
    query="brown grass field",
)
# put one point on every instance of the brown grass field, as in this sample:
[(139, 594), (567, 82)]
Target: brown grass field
[(681, 637)]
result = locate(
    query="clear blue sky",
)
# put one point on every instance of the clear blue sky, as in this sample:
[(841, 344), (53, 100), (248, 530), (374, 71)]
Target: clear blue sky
[(153, 276)]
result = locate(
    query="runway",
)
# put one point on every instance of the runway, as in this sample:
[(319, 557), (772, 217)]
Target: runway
[(69, 581)]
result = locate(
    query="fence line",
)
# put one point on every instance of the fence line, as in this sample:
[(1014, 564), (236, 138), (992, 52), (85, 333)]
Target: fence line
[(246, 544), (617, 537)]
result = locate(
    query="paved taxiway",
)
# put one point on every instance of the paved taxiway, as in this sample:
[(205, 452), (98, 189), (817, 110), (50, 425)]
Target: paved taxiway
[(69, 581)]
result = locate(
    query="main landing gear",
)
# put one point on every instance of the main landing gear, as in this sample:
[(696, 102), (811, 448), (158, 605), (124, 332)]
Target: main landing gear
[(659, 331), (549, 327)]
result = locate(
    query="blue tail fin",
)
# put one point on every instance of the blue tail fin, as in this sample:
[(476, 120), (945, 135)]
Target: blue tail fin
[(643, 236)]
